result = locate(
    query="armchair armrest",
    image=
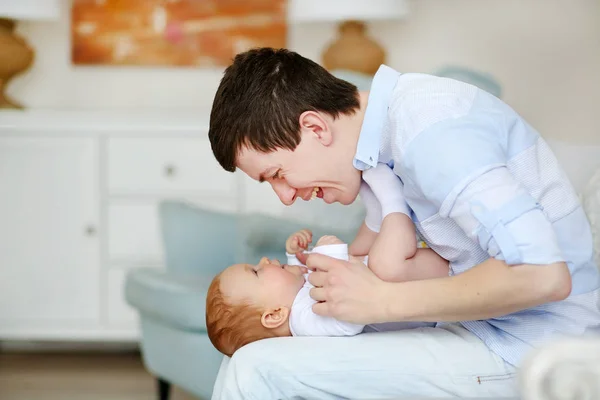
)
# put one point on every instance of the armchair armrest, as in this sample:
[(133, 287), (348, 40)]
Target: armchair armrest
[(178, 299), (567, 368)]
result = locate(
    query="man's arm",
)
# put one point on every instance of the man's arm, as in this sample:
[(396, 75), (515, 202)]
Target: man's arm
[(489, 290), (350, 292), (458, 168)]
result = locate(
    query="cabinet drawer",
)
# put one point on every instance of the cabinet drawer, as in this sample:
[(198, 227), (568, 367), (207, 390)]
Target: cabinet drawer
[(165, 165), (134, 235)]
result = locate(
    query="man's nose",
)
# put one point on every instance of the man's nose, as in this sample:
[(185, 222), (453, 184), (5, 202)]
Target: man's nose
[(286, 193)]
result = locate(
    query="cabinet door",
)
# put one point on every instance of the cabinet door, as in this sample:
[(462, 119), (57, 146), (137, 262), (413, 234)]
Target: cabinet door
[(49, 244)]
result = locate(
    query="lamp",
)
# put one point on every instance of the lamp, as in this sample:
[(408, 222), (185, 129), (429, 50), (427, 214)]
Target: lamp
[(352, 50), (15, 55)]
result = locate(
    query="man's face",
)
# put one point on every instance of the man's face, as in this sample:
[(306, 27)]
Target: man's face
[(314, 166)]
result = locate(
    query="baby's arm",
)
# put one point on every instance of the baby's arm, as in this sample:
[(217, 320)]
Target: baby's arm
[(394, 255)]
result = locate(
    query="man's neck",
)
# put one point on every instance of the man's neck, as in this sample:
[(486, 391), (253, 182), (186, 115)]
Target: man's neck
[(351, 125), (360, 114)]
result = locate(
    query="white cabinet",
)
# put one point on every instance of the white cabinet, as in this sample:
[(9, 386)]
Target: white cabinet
[(49, 234), (79, 196), (158, 166)]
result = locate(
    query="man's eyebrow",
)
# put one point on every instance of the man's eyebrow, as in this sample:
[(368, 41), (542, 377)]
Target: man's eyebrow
[(263, 175)]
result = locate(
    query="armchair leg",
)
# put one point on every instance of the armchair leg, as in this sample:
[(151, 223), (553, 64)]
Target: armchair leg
[(164, 389)]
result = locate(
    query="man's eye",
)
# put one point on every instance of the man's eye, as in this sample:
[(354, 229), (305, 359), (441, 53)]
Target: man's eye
[(277, 175)]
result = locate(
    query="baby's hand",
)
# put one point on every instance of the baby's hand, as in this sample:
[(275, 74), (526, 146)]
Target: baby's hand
[(298, 241), (328, 239)]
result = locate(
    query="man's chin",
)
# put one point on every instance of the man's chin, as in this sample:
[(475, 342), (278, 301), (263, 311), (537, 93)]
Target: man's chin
[(347, 200), (342, 198), (344, 202)]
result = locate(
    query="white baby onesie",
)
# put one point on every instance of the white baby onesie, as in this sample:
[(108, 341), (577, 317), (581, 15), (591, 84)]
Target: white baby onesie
[(303, 320)]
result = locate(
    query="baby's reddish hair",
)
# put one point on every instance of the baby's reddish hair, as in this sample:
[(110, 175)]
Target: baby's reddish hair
[(231, 326)]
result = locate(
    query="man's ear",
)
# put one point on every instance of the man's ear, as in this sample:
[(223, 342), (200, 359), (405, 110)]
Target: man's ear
[(314, 123), (272, 319)]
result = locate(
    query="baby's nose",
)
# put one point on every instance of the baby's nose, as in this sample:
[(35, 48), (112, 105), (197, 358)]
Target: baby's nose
[(262, 261)]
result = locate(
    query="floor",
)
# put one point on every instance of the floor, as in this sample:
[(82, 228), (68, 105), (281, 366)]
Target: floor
[(77, 376)]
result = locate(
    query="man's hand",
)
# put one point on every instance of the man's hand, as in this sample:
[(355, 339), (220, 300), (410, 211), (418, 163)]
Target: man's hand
[(298, 241), (347, 291)]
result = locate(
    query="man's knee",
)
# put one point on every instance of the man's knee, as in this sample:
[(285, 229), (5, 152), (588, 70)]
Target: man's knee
[(248, 372)]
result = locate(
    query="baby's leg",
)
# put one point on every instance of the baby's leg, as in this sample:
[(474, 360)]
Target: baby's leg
[(393, 255), (393, 248), (367, 232)]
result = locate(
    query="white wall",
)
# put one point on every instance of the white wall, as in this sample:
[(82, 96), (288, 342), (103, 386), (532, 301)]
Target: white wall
[(545, 53)]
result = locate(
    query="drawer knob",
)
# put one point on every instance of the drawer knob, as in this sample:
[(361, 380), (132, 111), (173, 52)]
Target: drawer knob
[(170, 170), (90, 230)]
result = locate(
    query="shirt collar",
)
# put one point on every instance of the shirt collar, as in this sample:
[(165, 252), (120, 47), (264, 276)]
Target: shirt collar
[(367, 150)]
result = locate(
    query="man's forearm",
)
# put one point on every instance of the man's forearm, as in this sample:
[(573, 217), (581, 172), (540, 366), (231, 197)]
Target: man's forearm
[(488, 290)]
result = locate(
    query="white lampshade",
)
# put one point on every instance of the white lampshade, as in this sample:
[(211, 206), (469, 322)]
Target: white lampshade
[(30, 9), (343, 10)]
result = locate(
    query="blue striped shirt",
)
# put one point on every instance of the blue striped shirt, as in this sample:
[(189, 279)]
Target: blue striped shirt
[(482, 183)]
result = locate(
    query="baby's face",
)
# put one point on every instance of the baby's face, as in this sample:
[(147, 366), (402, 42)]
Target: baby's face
[(268, 285)]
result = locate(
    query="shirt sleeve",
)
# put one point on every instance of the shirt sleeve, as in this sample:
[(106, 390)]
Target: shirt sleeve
[(458, 168)]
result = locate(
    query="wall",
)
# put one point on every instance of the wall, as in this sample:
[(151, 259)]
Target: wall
[(545, 53)]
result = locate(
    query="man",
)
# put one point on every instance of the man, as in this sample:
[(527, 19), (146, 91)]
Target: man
[(487, 195)]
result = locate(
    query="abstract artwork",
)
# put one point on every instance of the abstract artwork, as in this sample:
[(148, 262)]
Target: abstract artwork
[(204, 33)]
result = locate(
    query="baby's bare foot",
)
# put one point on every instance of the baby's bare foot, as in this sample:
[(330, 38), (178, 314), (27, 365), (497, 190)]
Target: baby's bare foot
[(328, 239)]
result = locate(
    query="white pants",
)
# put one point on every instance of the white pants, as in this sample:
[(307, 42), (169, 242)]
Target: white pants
[(423, 362)]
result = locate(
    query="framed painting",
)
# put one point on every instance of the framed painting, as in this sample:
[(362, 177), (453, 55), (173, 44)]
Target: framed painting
[(206, 33)]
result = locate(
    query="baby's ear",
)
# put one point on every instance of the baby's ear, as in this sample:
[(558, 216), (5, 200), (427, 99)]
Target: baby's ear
[(272, 319)]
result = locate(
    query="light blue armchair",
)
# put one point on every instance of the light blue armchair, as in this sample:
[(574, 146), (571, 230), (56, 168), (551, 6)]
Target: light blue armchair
[(198, 244)]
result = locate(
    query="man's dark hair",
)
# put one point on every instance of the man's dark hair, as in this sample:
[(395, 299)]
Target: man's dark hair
[(261, 97)]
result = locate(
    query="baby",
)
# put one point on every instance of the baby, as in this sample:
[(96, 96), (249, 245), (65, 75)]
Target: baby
[(246, 303)]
